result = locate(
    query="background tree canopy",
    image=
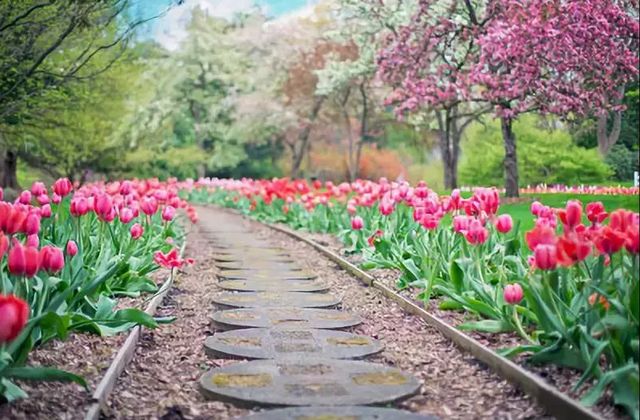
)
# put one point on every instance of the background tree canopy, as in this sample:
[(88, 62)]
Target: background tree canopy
[(83, 96)]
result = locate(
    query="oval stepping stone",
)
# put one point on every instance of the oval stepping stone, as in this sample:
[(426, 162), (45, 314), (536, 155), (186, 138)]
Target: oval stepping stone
[(284, 318), (337, 413), (249, 258), (270, 286), (275, 299), (267, 343), (308, 381), (266, 275), (258, 265)]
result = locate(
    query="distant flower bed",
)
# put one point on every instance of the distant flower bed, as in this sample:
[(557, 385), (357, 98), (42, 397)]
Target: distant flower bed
[(573, 189), (67, 253), (569, 287)]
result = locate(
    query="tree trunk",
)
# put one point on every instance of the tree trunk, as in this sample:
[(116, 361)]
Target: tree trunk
[(510, 158), (449, 152), (303, 138), (10, 171), (363, 129), (606, 140)]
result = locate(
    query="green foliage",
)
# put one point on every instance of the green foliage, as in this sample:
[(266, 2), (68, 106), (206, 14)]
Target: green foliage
[(545, 156), (623, 162)]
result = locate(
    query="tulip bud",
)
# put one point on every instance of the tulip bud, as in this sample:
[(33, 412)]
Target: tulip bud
[(573, 213), (15, 221), (38, 189), (45, 211), (32, 224), (357, 223), (56, 199), (126, 215), (43, 199), (72, 248), (513, 294), (16, 261), (136, 231), (149, 206)]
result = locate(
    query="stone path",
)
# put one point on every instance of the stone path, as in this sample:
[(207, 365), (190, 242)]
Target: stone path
[(305, 361)]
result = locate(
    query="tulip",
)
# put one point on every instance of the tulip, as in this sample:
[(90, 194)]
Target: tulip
[(4, 244), (536, 208), (43, 199), (632, 243), (545, 257), (504, 223), (386, 206), (62, 187), (45, 211), (477, 234), (33, 241), (540, 235), (136, 231), (149, 206), (1, 194), (32, 261), (609, 241), (56, 198), (15, 221), (51, 259), (14, 313), (38, 189), (357, 223), (32, 224), (513, 294), (79, 206), (126, 215), (16, 260), (25, 197), (103, 206), (72, 248), (596, 212), (572, 215), (429, 221), (169, 212), (461, 224), (571, 250)]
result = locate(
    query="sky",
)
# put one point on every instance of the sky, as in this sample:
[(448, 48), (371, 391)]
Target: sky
[(169, 29)]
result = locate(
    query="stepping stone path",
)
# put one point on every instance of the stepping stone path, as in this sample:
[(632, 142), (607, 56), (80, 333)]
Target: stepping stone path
[(275, 317)]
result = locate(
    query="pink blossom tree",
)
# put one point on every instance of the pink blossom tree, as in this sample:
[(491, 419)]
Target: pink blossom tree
[(552, 56)]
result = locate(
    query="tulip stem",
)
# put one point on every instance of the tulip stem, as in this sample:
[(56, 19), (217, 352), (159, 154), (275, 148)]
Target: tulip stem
[(520, 328)]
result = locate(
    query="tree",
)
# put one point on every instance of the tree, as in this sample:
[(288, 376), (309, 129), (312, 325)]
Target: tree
[(428, 61), (47, 44), (554, 57)]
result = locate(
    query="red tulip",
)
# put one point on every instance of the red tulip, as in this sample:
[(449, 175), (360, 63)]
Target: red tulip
[(136, 231), (513, 294), (14, 313), (540, 235), (15, 222), (632, 243), (72, 248), (609, 241), (51, 259), (545, 257), (357, 223), (596, 212), (504, 223), (571, 250), (571, 215), (32, 261), (429, 221), (62, 187)]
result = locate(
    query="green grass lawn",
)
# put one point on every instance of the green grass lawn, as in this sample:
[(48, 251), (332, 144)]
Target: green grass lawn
[(520, 211)]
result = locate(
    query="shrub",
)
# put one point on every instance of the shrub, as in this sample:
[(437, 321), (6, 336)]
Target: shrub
[(623, 162)]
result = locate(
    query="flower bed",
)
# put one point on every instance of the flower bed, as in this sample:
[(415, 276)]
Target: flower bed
[(68, 254), (568, 287)]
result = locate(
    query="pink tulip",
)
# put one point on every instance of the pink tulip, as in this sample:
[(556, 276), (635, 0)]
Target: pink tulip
[(477, 234), (72, 248), (168, 213), (32, 224), (43, 199), (513, 294), (62, 187), (79, 206), (504, 223), (25, 197), (136, 231), (545, 257), (126, 215), (149, 206), (51, 259), (38, 189), (33, 240), (45, 211), (357, 223)]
